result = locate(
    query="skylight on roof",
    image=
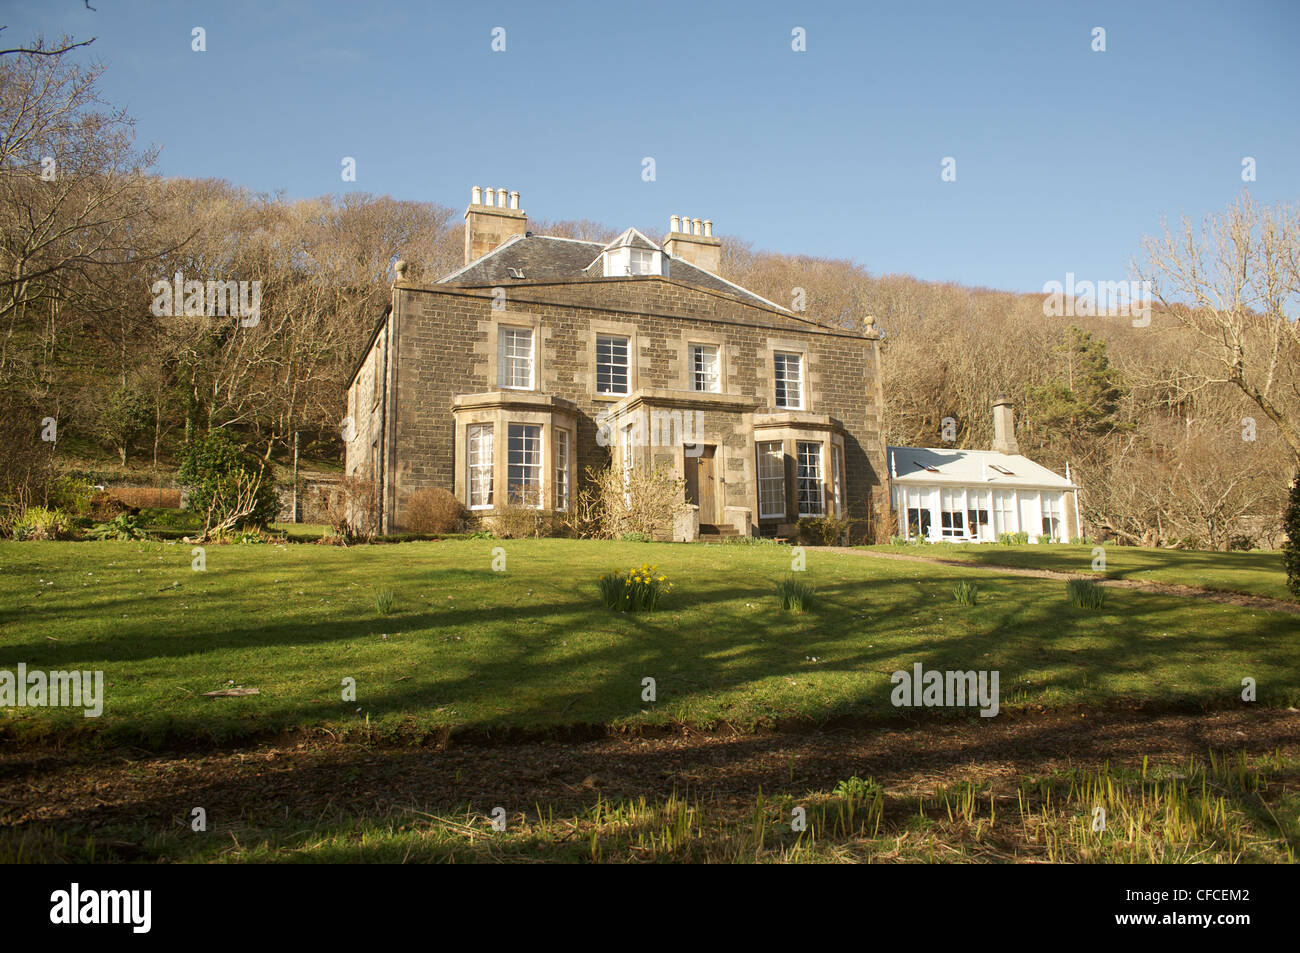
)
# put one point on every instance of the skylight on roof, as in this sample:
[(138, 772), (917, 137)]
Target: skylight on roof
[(1003, 470), (925, 466)]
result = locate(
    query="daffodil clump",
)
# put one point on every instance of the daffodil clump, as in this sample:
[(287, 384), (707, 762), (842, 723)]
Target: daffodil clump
[(636, 590)]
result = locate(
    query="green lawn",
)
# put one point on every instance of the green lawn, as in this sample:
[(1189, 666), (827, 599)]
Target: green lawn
[(1255, 573), (530, 648)]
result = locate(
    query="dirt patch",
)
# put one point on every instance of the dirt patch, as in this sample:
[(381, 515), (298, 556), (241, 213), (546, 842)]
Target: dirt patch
[(82, 792)]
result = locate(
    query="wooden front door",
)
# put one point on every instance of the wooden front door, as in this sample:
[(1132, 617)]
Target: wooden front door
[(701, 484)]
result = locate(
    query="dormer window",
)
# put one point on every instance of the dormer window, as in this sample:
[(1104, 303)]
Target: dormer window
[(631, 254)]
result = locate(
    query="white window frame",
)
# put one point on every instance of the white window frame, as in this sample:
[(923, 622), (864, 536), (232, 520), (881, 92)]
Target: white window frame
[(510, 357), (917, 500), (771, 473), (475, 451), (640, 261), (701, 374), (952, 502), (535, 467), (628, 449), (1006, 508), (1052, 510), (837, 486), (610, 340), (809, 481), (782, 379), (561, 469)]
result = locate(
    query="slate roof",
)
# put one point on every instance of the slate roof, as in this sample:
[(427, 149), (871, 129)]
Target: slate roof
[(547, 258), (969, 468)]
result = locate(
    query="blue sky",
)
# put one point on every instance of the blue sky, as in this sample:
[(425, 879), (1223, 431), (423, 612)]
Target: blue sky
[(1065, 157)]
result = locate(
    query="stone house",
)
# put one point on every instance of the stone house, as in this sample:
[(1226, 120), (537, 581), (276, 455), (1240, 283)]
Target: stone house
[(544, 357)]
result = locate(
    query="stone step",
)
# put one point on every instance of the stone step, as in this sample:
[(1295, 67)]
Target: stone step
[(709, 529)]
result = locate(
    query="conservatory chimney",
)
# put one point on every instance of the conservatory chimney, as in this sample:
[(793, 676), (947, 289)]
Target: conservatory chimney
[(1004, 427)]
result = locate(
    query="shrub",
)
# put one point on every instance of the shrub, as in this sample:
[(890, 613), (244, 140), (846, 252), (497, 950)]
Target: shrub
[(72, 495), (1084, 594), (434, 510), (38, 523), (1291, 548), (228, 486), (645, 500), (122, 526), (1241, 543), (167, 518), (966, 593), (637, 590), (796, 596), (352, 510), (520, 518), (824, 530), (1013, 539)]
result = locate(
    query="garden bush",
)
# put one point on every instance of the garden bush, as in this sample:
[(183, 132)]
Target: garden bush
[(434, 511), (40, 523), (230, 487)]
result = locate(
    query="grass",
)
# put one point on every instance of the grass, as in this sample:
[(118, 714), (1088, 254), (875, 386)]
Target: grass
[(1232, 810), (1085, 594), (466, 649), (795, 596), (1256, 573)]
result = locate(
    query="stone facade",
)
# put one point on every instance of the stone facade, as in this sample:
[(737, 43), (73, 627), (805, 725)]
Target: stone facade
[(428, 404)]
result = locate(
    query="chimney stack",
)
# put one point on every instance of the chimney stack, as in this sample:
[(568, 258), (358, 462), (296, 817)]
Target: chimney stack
[(490, 221), (692, 240), (1004, 426)]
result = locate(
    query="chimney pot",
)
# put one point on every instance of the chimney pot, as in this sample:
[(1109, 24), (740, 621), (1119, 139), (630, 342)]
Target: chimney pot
[(493, 217), (672, 223), (708, 227), (696, 223)]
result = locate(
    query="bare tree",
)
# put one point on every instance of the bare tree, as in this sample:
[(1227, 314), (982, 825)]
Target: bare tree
[(1234, 282)]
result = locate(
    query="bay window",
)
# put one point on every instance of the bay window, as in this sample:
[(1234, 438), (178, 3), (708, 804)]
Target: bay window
[(771, 480), (524, 464), (812, 497), (478, 439)]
